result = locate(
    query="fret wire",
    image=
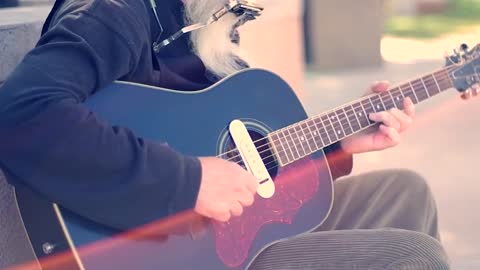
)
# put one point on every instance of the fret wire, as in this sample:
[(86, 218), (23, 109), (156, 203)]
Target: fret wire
[(288, 149), (332, 124), (306, 140), (435, 86), (273, 141), (449, 80), (420, 91), (386, 97), (319, 133), (288, 144), (407, 90), (373, 106), (291, 131), (300, 140), (413, 90), (284, 150), (364, 110), (384, 105), (442, 82), (448, 77), (367, 114), (333, 128), (324, 127), (355, 113), (378, 105), (313, 146), (352, 118), (401, 92), (294, 144), (341, 125), (426, 89), (430, 85), (348, 121), (445, 84), (393, 99), (399, 97), (436, 82), (349, 117), (309, 136), (312, 137)]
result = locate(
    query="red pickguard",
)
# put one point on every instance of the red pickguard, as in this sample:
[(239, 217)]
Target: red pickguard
[(294, 186)]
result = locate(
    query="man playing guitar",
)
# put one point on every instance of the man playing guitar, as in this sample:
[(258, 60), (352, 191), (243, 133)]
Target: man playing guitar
[(380, 220)]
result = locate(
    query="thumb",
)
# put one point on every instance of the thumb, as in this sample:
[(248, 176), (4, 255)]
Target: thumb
[(379, 87)]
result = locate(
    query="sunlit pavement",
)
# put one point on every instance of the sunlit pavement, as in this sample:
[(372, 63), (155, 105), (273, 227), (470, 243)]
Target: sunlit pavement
[(441, 145)]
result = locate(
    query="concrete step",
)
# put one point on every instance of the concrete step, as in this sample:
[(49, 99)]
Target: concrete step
[(20, 29)]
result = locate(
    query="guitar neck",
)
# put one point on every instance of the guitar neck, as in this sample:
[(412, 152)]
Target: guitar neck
[(299, 140)]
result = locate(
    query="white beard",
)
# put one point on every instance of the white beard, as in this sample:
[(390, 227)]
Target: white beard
[(213, 43)]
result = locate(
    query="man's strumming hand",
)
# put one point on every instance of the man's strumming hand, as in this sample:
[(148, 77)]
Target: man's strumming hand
[(226, 188)]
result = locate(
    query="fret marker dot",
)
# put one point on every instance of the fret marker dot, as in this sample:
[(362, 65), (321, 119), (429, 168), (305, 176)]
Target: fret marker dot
[(315, 133), (339, 132), (301, 138), (378, 106), (333, 118), (360, 114), (398, 98)]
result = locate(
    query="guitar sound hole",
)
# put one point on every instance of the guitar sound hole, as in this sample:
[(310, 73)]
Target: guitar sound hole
[(263, 147)]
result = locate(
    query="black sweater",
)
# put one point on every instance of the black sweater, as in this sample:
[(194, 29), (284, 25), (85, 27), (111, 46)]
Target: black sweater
[(55, 145)]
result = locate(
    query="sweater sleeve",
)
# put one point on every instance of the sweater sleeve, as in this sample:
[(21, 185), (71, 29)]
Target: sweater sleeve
[(52, 143)]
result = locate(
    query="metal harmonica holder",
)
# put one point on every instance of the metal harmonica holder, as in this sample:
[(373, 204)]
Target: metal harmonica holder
[(247, 8)]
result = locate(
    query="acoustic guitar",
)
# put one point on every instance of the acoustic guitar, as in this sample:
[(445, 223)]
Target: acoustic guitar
[(252, 118)]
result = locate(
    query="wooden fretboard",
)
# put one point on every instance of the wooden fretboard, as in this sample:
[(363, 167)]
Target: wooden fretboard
[(303, 138)]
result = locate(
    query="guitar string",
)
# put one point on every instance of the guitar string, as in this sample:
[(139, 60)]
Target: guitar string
[(300, 156), (439, 80), (342, 117), (398, 88), (278, 165), (295, 145)]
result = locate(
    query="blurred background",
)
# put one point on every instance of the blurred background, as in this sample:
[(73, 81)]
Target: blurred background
[(331, 52)]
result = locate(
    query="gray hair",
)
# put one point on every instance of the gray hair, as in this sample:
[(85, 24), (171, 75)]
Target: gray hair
[(213, 44)]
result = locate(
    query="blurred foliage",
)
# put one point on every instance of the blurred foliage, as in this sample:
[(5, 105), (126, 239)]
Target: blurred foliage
[(460, 16)]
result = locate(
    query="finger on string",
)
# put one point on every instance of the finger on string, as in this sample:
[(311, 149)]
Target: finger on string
[(380, 86), (386, 118), (391, 133), (404, 120), (409, 107)]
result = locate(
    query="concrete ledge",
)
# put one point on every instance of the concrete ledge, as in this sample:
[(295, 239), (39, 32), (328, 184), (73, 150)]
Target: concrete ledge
[(20, 30)]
